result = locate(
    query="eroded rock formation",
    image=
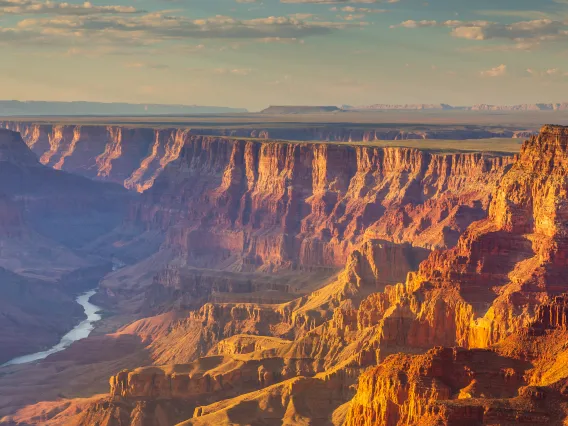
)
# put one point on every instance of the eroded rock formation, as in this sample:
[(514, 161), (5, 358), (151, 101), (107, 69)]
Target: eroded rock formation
[(135, 156), (246, 205), (475, 336)]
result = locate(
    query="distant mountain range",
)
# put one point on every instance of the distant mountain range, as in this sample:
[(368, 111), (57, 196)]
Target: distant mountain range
[(479, 107), (311, 109), (14, 108)]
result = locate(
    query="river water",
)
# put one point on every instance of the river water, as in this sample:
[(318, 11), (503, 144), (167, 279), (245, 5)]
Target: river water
[(81, 331)]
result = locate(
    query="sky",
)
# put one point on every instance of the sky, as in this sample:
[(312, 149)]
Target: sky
[(251, 54)]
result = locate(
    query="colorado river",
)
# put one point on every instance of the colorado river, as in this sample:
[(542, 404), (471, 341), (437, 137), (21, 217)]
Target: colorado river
[(81, 331)]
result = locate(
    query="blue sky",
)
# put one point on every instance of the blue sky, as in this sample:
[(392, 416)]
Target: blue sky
[(255, 53)]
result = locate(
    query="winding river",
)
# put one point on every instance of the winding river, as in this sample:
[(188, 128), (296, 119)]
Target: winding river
[(81, 331)]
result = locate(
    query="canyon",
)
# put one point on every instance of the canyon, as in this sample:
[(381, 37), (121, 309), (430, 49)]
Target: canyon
[(47, 215), (261, 281)]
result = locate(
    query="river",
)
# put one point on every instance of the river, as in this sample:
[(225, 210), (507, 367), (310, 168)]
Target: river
[(81, 331)]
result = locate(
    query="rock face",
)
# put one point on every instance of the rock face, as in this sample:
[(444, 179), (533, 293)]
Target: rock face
[(500, 285), (502, 282), (503, 267), (246, 205), (135, 157), (403, 389), (66, 208)]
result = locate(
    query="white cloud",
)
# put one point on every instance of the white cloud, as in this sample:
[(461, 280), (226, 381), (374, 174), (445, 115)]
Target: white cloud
[(21, 7), (152, 28), (499, 71), (526, 34)]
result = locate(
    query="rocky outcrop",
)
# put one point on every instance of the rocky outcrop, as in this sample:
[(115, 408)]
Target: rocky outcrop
[(495, 300), (302, 400), (552, 315), (368, 270), (502, 284), (501, 270), (452, 387)]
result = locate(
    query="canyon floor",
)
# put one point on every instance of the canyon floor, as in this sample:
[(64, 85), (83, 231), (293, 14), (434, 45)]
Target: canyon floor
[(297, 270)]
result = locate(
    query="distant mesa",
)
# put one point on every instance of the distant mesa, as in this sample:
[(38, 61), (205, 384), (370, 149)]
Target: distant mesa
[(290, 109), (401, 107), (15, 108)]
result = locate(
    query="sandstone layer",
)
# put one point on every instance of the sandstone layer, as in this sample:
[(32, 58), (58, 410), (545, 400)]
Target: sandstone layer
[(135, 156), (501, 285), (246, 205)]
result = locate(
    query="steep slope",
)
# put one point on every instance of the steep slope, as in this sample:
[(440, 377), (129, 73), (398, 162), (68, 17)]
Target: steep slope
[(44, 214), (506, 274), (522, 380), (276, 207), (134, 156), (66, 208), (288, 205)]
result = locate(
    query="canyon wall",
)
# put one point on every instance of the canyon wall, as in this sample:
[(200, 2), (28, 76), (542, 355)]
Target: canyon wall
[(502, 287), (134, 156), (45, 215), (248, 205)]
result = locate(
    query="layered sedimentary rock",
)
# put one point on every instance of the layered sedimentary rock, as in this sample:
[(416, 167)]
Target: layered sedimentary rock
[(496, 299), (453, 387), (135, 156), (63, 207), (247, 205), (503, 267), (521, 380), (502, 284), (499, 282)]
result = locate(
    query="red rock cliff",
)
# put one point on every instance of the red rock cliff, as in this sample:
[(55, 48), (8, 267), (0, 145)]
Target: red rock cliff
[(253, 205), (135, 156), (501, 284)]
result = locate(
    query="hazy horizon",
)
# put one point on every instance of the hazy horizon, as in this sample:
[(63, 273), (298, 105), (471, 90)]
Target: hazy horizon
[(242, 109)]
